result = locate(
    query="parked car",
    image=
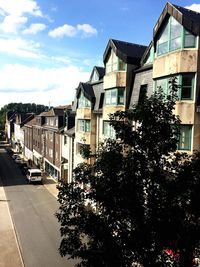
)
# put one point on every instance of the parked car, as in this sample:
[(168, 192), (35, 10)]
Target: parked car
[(34, 175)]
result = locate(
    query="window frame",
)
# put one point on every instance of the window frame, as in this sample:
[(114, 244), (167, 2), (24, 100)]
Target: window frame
[(83, 102), (109, 96), (180, 83), (85, 127), (183, 34), (189, 137), (114, 63), (109, 132)]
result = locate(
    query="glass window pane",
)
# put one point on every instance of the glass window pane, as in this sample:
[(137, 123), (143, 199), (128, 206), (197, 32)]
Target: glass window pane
[(175, 44), (162, 48), (122, 65), (187, 80), (190, 41), (164, 35), (175, 30), (87, 126), (185, 137), (163, 84), (121, 96), (186, 93), (114, 96), (187, 84)]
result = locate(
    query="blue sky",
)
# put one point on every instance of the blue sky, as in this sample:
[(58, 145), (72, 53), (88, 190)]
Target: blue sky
[(48, 46)]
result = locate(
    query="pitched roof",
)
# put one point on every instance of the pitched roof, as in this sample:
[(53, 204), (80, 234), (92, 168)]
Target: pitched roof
[(188, 18), (128, 52), (64, 107), (57, 111), (31, 122), (101, 71), (86, 89), (71, 132)]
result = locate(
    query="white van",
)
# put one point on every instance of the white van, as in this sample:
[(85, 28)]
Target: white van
[(34, 175)]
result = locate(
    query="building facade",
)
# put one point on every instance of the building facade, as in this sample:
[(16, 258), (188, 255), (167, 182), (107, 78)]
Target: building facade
[(131, 72)]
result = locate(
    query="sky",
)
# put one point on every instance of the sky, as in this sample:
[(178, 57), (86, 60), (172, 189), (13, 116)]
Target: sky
[(48, 46)]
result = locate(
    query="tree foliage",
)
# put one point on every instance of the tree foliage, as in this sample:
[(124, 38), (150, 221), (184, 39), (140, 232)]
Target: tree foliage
[(118, 211), (20, 107)]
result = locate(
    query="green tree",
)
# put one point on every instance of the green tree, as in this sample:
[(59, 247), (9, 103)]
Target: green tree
[(183, 211), (20, 107), (117, 211)]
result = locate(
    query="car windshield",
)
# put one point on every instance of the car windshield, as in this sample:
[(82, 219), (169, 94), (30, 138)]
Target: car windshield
[(34, 174)]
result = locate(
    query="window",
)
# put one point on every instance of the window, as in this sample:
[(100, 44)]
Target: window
[(114, 96), (185, 137), (108, 130), (84, 125), (143, 93), (83, 102), (95, 76), (149, 57), (185, 81), (187, 86), (189, 39), (50, 136), (56, 121), (50, 153), (114, 63), (173, 37), (65, 139)]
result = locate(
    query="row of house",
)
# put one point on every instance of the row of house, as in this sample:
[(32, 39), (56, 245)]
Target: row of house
[(53, 139)]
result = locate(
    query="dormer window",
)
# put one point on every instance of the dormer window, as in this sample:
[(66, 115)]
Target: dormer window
[(149, 57), (114, 63), (174, 37), (95, 76), (83, 102)]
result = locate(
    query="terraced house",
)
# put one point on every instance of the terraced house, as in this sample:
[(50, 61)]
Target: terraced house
[(130, 72), (177, 53)]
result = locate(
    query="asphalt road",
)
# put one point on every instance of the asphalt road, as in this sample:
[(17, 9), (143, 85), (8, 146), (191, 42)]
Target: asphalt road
[(32, 210)]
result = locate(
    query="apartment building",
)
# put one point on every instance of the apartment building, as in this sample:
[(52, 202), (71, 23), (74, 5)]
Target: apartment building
[(44, 140), (9, 125), (131, 71), (88, 106), (18, 136), (28, 139), (177, 53)]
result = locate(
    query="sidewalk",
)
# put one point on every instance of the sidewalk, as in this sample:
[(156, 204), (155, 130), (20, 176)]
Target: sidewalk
[(10, 255), (50, 185)]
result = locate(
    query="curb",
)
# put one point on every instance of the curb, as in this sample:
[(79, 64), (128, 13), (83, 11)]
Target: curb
[(13, 229)]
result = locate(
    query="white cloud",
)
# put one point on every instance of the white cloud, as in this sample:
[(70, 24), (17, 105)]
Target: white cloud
[(32, 84), (11, 24), (15, 14), (19, 47), (65, 30), (194, 7), (87, 29), (72, 31), (35, 28), (20, 7)]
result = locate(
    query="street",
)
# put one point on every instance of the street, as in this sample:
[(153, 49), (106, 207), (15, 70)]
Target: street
[(32, 209)]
